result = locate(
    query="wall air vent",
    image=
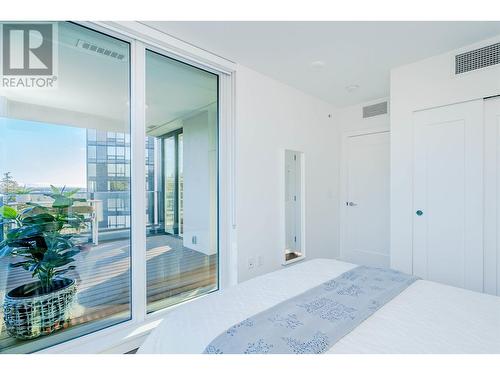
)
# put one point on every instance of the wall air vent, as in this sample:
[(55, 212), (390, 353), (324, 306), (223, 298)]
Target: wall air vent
[(375, 110), (90, 47), (477, 59)]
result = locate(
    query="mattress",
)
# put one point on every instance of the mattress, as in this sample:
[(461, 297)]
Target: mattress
[(427, 317)]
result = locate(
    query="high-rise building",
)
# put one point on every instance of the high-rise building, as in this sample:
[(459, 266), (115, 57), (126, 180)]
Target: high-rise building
[(108, 174)]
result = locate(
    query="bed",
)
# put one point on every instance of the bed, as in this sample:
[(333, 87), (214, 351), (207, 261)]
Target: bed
[(426, 317)]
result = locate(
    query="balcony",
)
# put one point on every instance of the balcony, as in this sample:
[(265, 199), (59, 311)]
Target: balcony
[(174, 273)]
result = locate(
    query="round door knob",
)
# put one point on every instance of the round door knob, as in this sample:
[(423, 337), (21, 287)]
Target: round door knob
[(419, 213)]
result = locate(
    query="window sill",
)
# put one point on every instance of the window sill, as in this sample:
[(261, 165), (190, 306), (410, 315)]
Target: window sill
[(117, 339)]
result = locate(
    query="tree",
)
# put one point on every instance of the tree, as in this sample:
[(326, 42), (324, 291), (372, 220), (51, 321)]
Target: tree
[(8, 185)]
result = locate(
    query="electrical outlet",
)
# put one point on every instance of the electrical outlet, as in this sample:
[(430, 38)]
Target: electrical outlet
[(251, 263), (194, 240)]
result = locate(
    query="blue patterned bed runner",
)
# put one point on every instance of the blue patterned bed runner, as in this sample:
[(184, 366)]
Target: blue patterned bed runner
[(315, 320)]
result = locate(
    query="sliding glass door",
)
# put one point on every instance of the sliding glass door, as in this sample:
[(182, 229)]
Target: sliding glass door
[(65, 190), (181, 118), (69, 171)]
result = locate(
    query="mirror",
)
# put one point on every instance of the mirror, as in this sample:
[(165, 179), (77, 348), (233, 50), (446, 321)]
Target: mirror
[(294, 170)]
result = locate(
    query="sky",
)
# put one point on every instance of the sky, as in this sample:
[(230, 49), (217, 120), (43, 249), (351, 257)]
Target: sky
[(40, 154)]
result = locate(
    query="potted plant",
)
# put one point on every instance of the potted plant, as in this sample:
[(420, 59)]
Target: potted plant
[(43, 239)]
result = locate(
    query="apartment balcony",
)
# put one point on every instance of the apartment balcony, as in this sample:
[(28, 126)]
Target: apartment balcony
[(174, 273)]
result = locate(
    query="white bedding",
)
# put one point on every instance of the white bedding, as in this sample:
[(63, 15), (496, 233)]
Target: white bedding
[(427, 317)]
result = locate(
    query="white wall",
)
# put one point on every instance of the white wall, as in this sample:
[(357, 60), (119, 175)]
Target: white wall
[(271, 117), (199, 161), (424, 84)]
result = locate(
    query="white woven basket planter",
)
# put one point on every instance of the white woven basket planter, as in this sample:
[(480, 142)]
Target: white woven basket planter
[(33, 316)]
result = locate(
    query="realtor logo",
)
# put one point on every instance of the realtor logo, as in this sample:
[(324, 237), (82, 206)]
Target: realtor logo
[(29, 55)]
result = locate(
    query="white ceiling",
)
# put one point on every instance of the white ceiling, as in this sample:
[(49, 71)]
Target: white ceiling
[(93, 90), (174, 90), (355, 53)]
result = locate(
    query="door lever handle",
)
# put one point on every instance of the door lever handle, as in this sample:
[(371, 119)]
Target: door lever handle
[(351, 204)]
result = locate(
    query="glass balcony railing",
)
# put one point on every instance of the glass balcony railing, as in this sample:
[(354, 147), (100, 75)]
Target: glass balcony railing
[(111, 212)]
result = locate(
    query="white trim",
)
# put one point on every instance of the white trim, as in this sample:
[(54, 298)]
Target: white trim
[(343, 178), (227, 173), (138, 188), (176, 47), (128, 335), (117, 339)]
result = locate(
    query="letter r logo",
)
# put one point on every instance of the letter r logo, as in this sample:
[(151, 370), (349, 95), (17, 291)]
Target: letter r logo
[(27, 49)]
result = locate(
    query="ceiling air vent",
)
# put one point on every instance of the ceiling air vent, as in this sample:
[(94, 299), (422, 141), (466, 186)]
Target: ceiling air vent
[(100, 50), (477, 59), (375, 110)]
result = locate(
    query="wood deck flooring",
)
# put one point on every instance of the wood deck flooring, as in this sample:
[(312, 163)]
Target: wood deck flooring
[(174, 273)]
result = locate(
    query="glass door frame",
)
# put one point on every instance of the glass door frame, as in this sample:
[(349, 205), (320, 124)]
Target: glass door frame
[(176, 229), (128, 335)]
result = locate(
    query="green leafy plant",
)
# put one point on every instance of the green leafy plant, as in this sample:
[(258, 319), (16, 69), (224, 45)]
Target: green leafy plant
[(44, 236)]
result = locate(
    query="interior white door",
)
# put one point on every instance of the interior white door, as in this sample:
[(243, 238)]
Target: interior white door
[(366, 218), (492, 196), (448, 195)]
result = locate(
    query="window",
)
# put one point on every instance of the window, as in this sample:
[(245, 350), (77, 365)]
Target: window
[(91, 135), (91, 152), (120, 138), (118, 170), (101, 154), (115, 153), (101, 137), (118, 186), (91, 170), (120, 153), (116, 204), (119, 221), (111, 152), (62, 133), (181, 181), (111, 169), (76, 138)]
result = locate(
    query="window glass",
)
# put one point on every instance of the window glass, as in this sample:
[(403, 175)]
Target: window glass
[(181, 181), (91, 135), (91, 170), (91, 152), (101, 153), (50, 140)]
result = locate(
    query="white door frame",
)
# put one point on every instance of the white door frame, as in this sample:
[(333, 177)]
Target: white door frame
[(343, 178)]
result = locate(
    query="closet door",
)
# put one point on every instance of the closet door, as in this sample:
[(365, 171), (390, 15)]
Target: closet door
[(448, 195), (491, 197)]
